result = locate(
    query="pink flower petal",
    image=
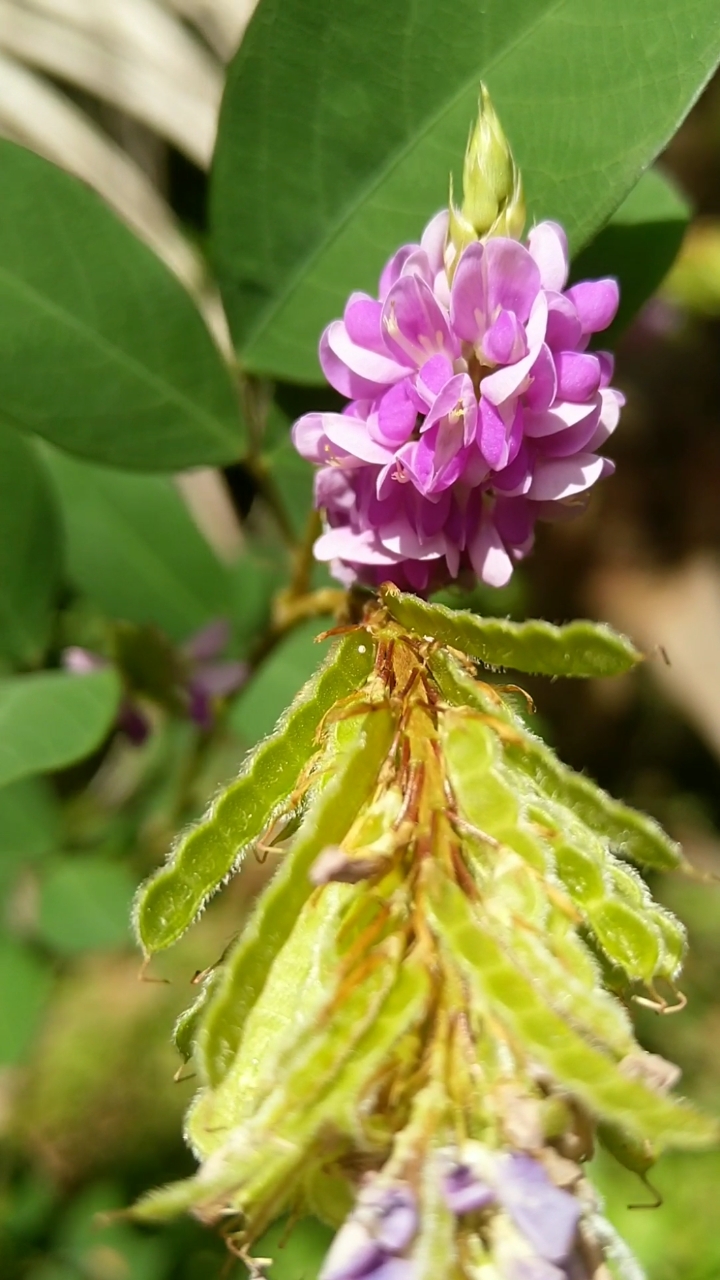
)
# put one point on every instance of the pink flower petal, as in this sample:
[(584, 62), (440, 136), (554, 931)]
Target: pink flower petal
[(564, 330), (596, 302), (513, 279), (505, 341), (468, 297), (433, 240), (457, 399), (558, 478), (352, 370), (488, 556), (345, 544), (393, 269), (547, 244), (414, 325), (352, 435), (362, 318), (396, 416), (432, 378), (511, 380), (578, 375), (561, 416), (492, 434), (542, 388)]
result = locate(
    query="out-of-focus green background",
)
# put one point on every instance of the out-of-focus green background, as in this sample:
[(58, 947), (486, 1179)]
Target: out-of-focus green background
[(90, 1111)]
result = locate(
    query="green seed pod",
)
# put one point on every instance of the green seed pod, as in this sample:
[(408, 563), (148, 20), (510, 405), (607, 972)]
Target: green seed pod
[(627, 937)]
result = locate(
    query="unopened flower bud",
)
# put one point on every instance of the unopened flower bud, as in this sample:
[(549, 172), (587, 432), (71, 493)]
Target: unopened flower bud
[(493, 202)]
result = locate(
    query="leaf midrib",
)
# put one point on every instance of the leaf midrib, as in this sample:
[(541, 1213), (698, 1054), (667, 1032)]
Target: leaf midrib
[(93, 338), (394, 159)]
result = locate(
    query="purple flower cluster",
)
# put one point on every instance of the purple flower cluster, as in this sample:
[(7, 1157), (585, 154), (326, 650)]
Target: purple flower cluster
[(544, 1217), (371, 1243), (475, 409)]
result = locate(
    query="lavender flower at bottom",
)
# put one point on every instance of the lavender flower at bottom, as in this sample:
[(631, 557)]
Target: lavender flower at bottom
[(475, 410), (370, 1243)]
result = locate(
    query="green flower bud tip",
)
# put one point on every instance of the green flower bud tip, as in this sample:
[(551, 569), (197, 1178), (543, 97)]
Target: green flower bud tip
[(412, 1021), (493, 201)]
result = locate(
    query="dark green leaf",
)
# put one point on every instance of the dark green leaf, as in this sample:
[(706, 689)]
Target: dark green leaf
[(85, 904), (30, 550), (50, 720), (363, 111), (134, 549), (638, 245), (101, 349), (25, 982)]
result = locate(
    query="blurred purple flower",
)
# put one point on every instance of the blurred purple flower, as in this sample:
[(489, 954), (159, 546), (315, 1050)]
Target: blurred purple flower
[(370, 1243), (201, 680), (475, 409), (545, 1216)]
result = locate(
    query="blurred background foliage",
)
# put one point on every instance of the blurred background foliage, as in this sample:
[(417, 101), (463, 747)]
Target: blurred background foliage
[(127, 571)]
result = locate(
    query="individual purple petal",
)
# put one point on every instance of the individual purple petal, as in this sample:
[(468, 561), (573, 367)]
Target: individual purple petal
[(544, 1214), (396, 417), (363, 321), (517, 476), (607, 367), (559, 418), (514, 519), (396, 1218), (528, 1268), (308, 436), (468, 299), (432, 377), (81, 662), (575, 439), (564, 330), (488, 556), (352, 370), (353, 1254), (512, 380), (542, 387), (393, 269), (492, 434), (345, 543), (596, 303), (218, 679), (458, 401), (465, 1192), (547, 244), (351, 435), (578, 376), (433, 240), (612, 402), (558, 478), (505, 340), (208, 642), (414, 324), (513, 279)]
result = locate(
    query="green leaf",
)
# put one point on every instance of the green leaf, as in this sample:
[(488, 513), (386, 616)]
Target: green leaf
[(30, 550), (321, 172), (85, 905), (134, 549), (577, 649), (259, 706), (50, 720), (638, 245), (25, 982), (169, 902), (101, 349)]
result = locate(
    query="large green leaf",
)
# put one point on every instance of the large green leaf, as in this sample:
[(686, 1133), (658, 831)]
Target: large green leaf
[(638, 245), (30, 550), (101, 349), (134, 549), (50, 720), (29, 826), (340, 123), (85, 903)]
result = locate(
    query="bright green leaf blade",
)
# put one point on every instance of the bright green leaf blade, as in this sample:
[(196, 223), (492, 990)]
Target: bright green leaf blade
[(169, 902), (50, 720), (326, 823), (101, 349), (259, 706), (577, 649), (592, 1076), (30, 550), (134, 549), (85, 904), (632, 833), (638, 245), (26, 983), (360, 130)]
